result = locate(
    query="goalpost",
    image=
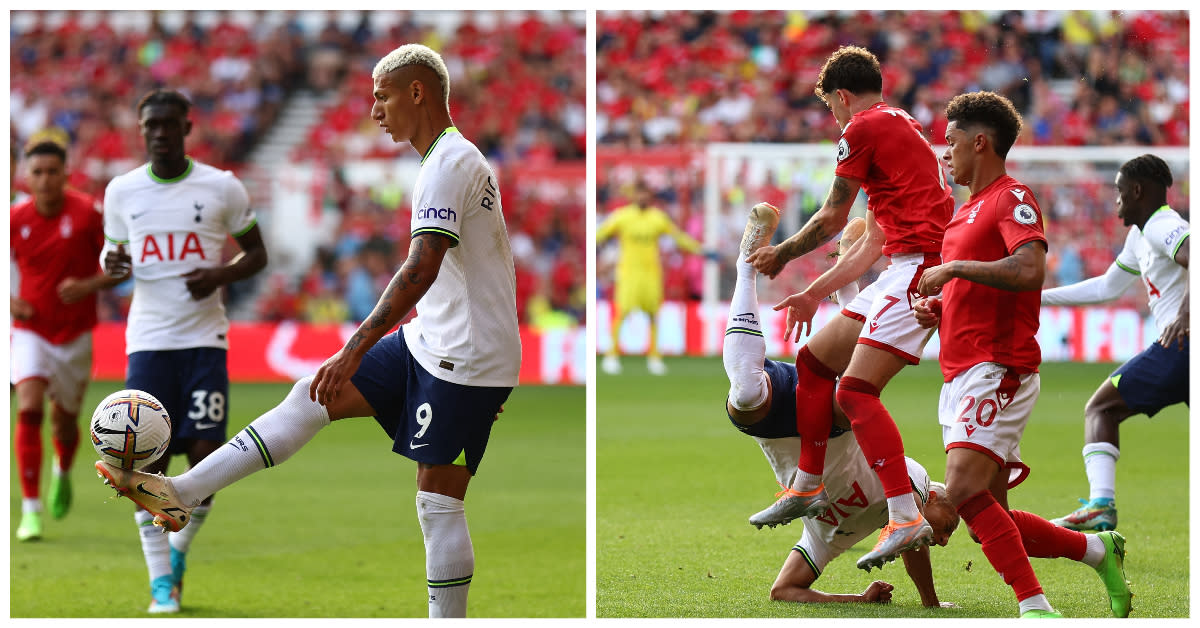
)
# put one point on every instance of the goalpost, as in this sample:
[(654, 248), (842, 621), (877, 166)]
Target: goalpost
[(1074, 186), (1067, 180)]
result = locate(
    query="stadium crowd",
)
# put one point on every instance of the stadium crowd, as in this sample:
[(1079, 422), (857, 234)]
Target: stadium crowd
[(82, 72), (676, 81)]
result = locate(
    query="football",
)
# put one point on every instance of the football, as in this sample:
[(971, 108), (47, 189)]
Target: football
[(130, 429)]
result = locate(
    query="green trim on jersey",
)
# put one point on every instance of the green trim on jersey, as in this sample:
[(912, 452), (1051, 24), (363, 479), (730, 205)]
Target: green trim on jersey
[(1132, 271), (449, 129), (115, 241), (1156, 212), (1182, 238), (808, 559), (157, 179), (247, 229), (449, 234)]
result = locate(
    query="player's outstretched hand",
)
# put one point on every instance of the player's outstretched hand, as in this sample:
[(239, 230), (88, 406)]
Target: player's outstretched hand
[(333, 374), (934, 277), (928, 312), (766, 260), (801, 309), (20, 309), (72, 290), (203, 281), (879, 592), (118, 263), (1177, 331)]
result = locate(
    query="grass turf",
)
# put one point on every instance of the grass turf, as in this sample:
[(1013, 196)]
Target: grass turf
[(332, 532), (676, 482)]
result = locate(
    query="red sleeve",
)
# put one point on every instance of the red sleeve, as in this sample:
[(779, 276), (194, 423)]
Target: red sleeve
[(1019, 218), (856, 151)]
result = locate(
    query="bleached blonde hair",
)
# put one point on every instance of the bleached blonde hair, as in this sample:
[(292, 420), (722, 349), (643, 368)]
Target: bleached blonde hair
[(416, 54)]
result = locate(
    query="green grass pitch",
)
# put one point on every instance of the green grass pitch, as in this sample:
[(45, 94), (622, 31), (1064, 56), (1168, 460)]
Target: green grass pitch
[(676, 482), (333, 531)]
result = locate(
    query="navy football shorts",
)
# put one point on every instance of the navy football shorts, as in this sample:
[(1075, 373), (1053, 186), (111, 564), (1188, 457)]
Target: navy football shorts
[(1154, 379), (429, 420), (192, 384), (780, 421)]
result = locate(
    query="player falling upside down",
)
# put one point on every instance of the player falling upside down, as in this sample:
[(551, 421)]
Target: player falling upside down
[(56, 236), (883, 152), (1157, 377), (175, 215), (990, 279), (858, 506), (435, 385), (639, 282)]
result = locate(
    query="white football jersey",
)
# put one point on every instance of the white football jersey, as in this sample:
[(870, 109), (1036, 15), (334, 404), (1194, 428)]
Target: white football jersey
[(466, 330), (169, 228), (1150, 253), (857, 505)]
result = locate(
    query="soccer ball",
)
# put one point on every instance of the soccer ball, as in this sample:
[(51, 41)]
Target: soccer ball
[(130, 429)]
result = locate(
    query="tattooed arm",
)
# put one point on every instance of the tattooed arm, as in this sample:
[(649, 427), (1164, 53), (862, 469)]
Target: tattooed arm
[(1024, 270), (411, 282), (819, 229)]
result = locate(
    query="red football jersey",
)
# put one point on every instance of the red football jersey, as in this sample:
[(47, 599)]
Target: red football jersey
[(49, 250), (980, 323), (906, 189)]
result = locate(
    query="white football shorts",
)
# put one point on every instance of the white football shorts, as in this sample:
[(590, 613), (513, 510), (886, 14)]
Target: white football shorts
[(986, 409), (66, 368), (885, 308)]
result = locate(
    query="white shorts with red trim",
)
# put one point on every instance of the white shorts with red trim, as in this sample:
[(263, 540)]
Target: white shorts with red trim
[(986, 409), (66, 368), (885, 308)]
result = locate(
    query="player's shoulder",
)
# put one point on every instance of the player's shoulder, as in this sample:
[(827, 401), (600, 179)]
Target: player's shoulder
[(1165, 226), (204, 173), (21, 207), (136, 176)]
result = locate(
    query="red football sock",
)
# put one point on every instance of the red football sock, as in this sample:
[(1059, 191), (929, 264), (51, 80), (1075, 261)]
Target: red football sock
[(1001, 543), (29, 450), (66, 447), (1043, 539), (876, 433), (814, 410)]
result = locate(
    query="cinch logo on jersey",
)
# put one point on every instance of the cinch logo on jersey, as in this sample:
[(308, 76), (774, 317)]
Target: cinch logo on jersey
[(440, 213), (171, 247), (1175, 234)]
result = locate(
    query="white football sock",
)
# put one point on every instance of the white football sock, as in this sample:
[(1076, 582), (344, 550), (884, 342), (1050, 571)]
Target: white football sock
[(1032, 602), (846, 293), (903, 508), (1100, 460), (1095, 551), (268, 441), (449, 556), (181, 541), (154, 545), (31, 504), (806, 482), (744, 348)]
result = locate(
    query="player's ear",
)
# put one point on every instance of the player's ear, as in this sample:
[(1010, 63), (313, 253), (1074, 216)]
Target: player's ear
[(417, 89), (187, 126)]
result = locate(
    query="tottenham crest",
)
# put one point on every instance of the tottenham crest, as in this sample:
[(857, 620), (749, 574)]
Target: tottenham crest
[(1025, 214)]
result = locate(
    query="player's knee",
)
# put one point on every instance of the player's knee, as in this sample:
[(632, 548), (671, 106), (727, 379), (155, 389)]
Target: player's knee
[(748, 393)]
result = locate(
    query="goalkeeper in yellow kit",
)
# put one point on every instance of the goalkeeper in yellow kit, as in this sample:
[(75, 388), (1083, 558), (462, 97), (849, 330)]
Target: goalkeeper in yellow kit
[(639, 278)]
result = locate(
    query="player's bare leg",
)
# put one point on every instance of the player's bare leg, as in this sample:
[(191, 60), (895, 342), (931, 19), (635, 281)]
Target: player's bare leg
[(449, 555), (65, 429), (1102, 436), (27, 444), (654, 362)]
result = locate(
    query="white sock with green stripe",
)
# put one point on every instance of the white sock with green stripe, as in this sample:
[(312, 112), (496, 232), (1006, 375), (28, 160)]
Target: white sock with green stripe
[(155, 547), (744, 348), (449, 556), (269, 440), (1100, 461)]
